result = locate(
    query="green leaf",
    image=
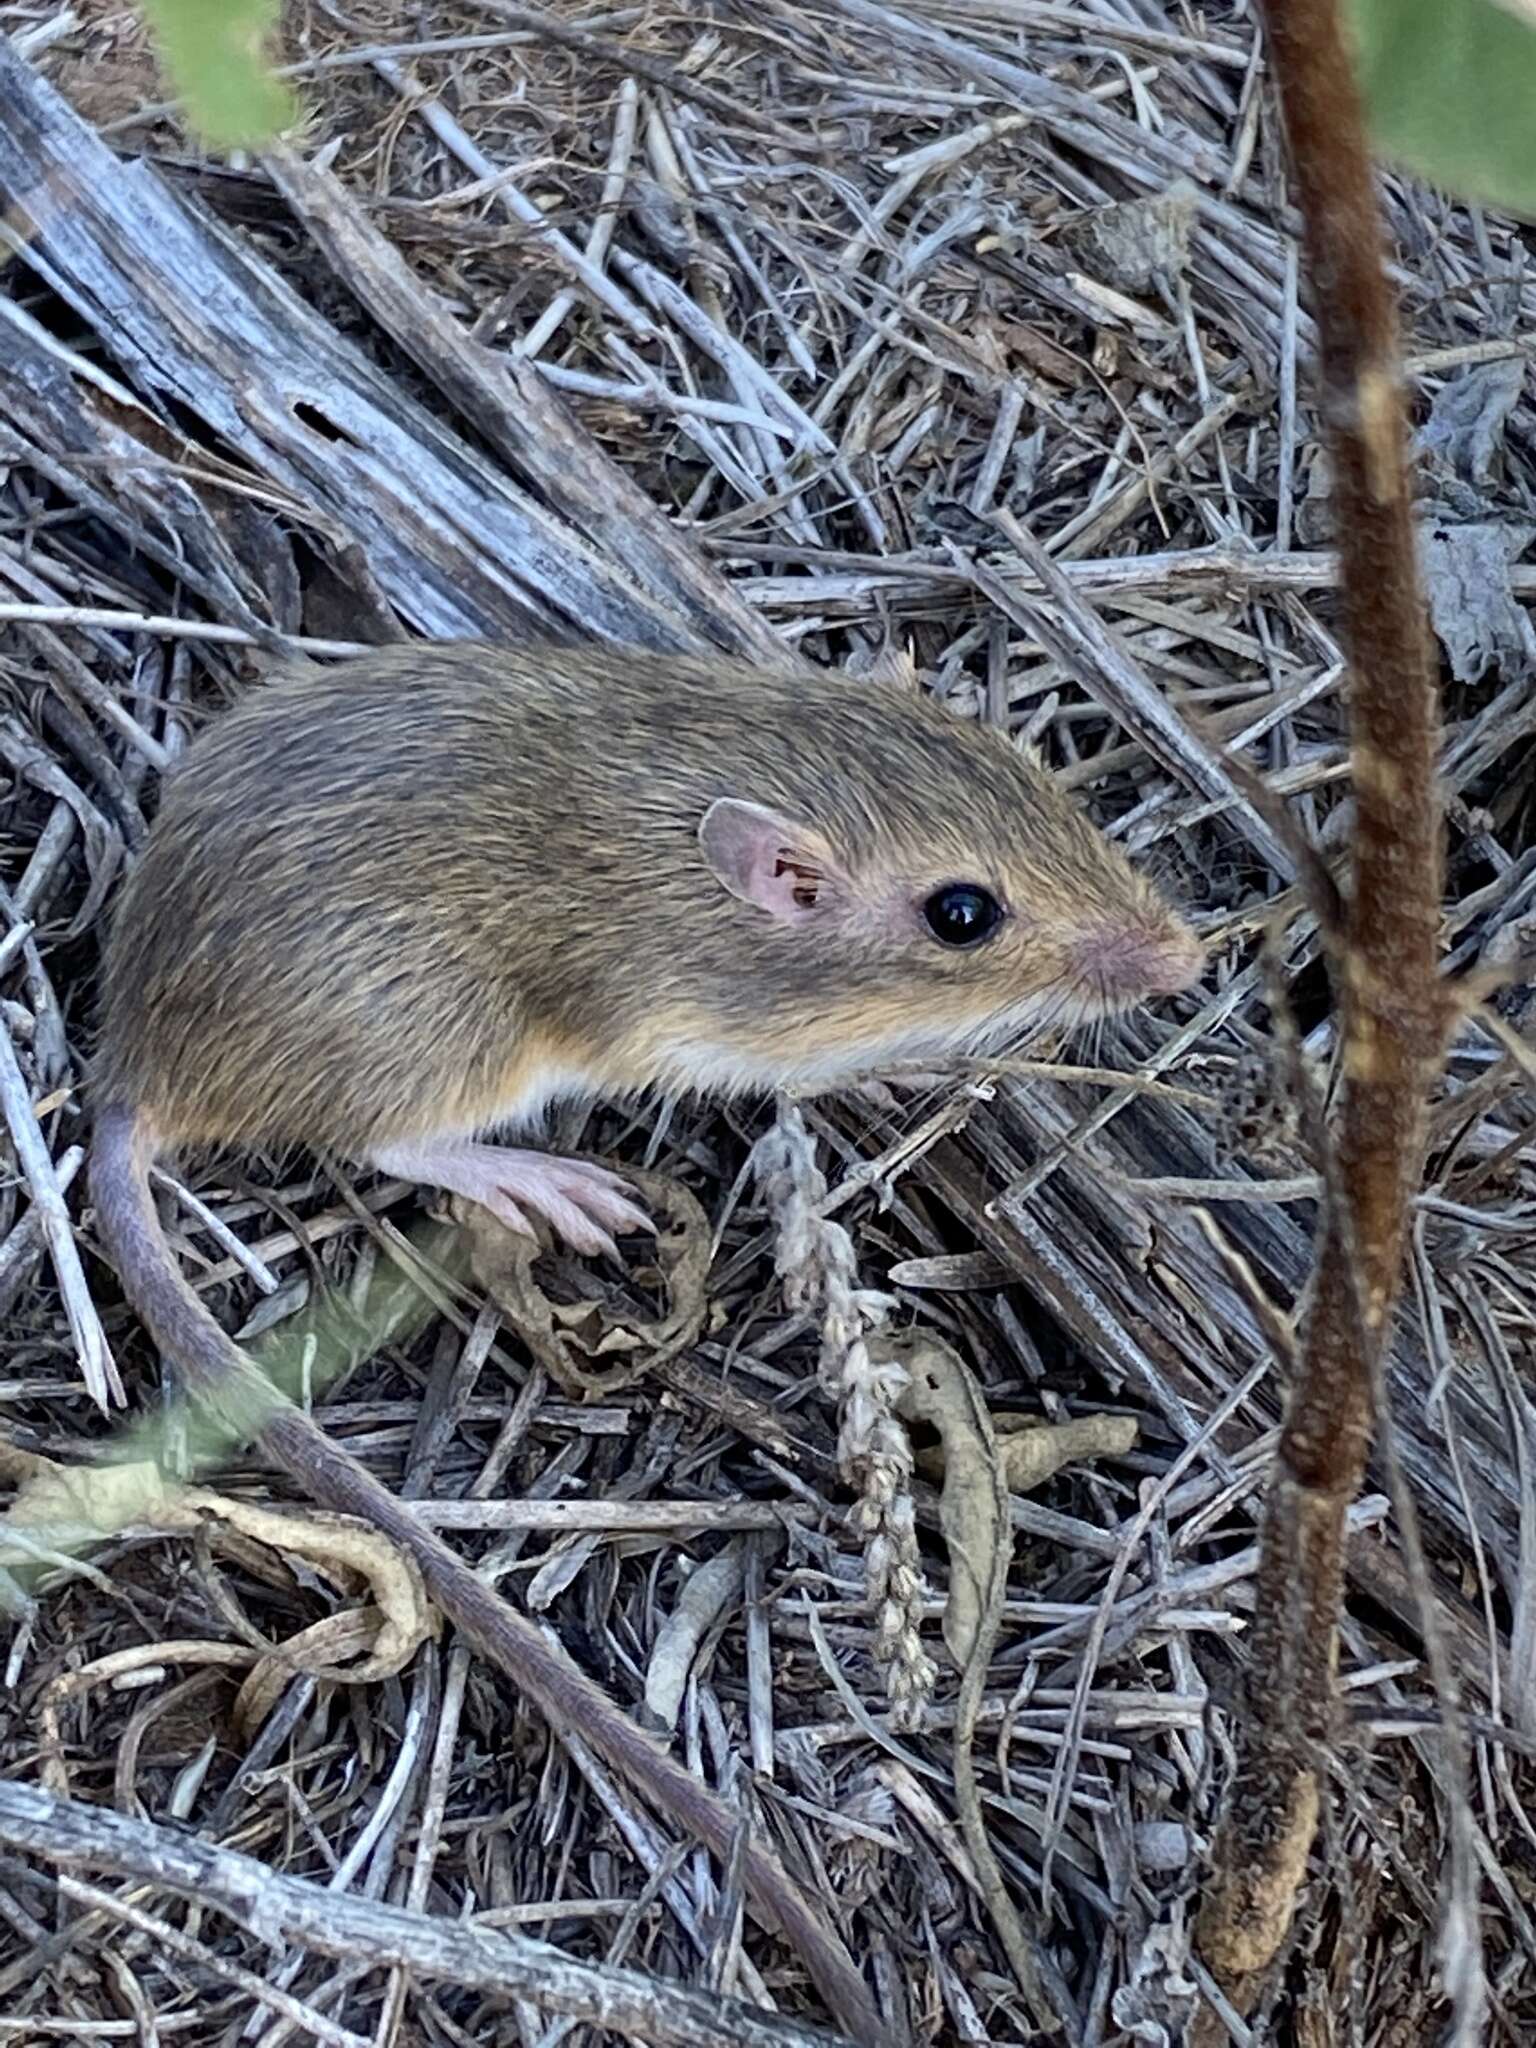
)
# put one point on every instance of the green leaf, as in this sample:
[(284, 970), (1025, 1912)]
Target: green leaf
[(213, 50), (296, 1360), (1450, 91)]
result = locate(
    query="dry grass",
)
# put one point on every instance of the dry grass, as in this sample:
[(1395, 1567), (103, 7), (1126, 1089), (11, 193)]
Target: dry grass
[(857, 298)]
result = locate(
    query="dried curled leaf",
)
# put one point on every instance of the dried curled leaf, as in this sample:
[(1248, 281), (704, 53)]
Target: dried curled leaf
[(978, 1528), (61, 1507), (327, 1650), (710, 1591), (893, 666), (982, 1459), (973, 1503), (405, 1617), (570, 1338), (981, 1465), (1140, 245), (1032, 1452)]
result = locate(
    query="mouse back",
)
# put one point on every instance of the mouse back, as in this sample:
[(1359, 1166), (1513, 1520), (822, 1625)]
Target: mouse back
[(440, 884)]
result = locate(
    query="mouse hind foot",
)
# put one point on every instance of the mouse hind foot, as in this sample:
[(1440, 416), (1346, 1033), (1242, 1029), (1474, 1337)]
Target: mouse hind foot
[(583, 1204)]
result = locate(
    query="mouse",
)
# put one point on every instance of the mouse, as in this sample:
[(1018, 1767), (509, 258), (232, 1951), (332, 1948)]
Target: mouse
[(391, 906), (397, 908)]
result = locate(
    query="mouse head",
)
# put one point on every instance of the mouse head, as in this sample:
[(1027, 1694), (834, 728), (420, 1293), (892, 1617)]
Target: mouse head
[(938, 893)]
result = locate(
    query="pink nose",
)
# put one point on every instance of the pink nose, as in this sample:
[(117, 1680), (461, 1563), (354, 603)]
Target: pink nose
[(1130, 961)]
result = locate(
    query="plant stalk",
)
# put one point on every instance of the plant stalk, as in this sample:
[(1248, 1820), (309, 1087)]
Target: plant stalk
[(1391, 1008)]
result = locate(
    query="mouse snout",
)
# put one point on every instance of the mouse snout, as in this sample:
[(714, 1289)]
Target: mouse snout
[(1125, 961)]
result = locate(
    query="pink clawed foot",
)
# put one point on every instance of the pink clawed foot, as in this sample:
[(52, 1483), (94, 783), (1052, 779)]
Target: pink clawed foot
[(584, 1204)]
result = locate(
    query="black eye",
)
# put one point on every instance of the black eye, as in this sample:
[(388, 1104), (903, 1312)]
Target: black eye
[(962, 914)]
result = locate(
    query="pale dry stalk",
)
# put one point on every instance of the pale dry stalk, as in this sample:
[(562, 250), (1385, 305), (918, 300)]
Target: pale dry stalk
[(816, 1263)]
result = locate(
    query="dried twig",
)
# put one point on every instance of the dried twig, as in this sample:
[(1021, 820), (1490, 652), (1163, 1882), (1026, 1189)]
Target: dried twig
[(341, 1924), (36, 1161)]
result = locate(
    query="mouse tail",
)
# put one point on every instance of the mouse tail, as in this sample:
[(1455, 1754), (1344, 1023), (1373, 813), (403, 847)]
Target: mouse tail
[(229, 1386), (213, 1368)]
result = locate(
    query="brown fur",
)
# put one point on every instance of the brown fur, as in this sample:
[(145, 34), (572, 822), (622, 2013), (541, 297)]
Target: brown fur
[(387, 900), (376, 892)]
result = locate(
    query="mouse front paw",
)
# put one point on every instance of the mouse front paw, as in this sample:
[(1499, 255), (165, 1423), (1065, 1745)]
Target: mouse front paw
[(585, 1205)]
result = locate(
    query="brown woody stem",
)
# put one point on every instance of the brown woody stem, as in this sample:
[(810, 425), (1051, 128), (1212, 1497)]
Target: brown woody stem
[(1390, 1005)]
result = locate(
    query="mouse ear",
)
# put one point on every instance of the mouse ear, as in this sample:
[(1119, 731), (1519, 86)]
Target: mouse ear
[(783, 867)]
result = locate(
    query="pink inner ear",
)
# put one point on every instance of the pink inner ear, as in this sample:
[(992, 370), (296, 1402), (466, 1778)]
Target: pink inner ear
[(764, 859)]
